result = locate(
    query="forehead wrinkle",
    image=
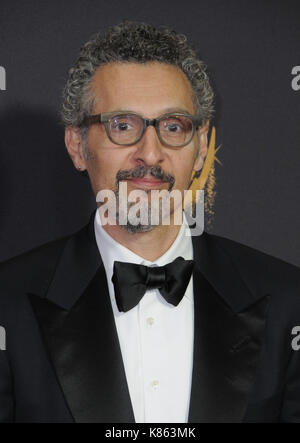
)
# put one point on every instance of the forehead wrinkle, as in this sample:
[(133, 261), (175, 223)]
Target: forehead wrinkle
[(126, 87)]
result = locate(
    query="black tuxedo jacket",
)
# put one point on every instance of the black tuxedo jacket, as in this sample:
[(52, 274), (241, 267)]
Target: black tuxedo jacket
[(63, 363)]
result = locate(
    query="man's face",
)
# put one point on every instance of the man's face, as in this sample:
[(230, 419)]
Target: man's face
[(150, 90)]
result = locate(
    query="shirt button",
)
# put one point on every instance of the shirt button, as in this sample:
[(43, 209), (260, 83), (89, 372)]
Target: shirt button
[(155, 384), (150, 321)]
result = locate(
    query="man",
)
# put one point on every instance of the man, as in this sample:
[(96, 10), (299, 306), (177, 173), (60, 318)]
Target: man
[(138, 322)]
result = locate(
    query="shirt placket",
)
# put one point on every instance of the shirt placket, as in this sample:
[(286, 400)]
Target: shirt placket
[(149, 319)]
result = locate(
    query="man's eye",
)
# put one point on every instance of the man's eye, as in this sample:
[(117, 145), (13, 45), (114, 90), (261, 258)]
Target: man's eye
[(174, 127), (122, 126)]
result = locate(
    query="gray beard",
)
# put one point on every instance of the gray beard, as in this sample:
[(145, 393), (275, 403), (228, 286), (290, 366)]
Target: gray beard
[(138, 228), (139, 173)]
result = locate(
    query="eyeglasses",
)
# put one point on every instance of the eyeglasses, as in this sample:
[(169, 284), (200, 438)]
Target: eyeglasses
[(128, 128)]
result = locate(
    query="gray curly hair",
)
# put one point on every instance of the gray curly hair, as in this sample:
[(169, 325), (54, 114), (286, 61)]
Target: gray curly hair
[(136, 42)]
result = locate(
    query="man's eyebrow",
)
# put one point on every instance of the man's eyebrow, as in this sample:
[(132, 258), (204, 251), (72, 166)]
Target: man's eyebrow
[(181, 110)]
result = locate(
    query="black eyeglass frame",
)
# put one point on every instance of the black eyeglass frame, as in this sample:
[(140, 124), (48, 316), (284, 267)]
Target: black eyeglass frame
[(105, 118)]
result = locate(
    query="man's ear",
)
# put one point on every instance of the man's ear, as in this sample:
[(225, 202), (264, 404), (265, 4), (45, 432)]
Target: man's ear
[(202, 146), (73, 141)]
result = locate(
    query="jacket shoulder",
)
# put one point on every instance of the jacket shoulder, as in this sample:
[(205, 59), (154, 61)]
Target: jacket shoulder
[(18, 271), (255, 264)]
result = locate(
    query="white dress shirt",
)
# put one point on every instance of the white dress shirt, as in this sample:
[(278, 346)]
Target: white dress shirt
[(156, 338)]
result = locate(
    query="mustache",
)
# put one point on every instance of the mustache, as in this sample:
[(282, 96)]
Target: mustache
[(142, 171)]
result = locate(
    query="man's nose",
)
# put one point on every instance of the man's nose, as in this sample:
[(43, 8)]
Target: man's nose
[(149, 148)]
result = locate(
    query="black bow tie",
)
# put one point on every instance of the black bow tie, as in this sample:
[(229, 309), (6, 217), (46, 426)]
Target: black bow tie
[(131, 281)]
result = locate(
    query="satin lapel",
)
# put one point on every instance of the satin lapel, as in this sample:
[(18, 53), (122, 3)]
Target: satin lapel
[(228, 336), (78, 326), (84, 348)]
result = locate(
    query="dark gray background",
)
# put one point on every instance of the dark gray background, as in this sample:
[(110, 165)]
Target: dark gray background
[(250, 48)]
